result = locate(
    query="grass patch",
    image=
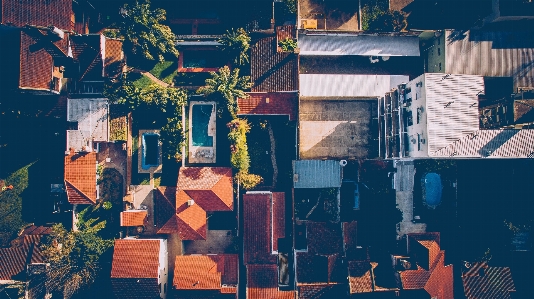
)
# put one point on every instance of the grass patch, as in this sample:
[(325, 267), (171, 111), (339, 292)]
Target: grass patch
[(259, 146), (140, 81), (165, 71), (11, 204)]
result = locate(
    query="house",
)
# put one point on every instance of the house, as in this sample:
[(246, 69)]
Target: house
[(203, 276), (81, 178), (305, 173), (482, 281), (501, 53), (270, 104), (134, 218), (425, 272), (263, 227), (39, 52), (139, 268), (200, 190), (418, 121), (21, 264), (88, 123)]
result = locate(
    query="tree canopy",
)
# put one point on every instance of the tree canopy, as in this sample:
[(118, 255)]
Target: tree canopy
[(74, 255), (236, 43), (374, 18), (143, 33), (227, 85)]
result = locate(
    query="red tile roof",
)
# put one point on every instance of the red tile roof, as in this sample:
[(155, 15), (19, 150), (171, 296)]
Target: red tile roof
[(258, 228), (324, 238), (269, 103), (200, 190), (134, 218), (322, 291), (262, 283), (314, 268), (14, 260), (360, 277), (136, 258), (35, 67), (80, 178), (484, 282), (279, 218), (38, 12), (437, 280), (206, 272), (133, 288), (271, 70)]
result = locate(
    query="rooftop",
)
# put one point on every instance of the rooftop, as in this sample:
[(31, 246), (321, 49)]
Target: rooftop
[(206, 272), (90, 122), (80, 177), (483, 282), (269, 103), (306, 172), (136, 258)]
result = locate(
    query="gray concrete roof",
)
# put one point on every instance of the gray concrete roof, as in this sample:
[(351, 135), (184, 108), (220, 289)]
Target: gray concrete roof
[(353, 44), (316, 174)]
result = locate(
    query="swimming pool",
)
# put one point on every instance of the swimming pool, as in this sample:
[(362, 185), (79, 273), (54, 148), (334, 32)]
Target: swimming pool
[(150, 143), (201, 115), (432, 189)]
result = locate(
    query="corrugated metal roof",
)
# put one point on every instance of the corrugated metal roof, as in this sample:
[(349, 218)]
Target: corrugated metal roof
[(316, 174), (488, 53), (332, 85), (351, 44), (449, 107), (92, 118), (492, 144)]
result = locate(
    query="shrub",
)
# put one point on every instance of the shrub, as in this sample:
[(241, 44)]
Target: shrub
[(288, 44), (377, 19), (239, 156), (248, 181)]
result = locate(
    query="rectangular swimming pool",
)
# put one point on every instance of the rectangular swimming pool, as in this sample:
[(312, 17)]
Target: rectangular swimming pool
[(150, 150), (201, 115)]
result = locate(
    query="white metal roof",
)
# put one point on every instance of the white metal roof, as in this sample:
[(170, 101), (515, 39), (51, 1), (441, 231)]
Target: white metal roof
[(352, 44), (492, 144), (332, 85), (92, 117)]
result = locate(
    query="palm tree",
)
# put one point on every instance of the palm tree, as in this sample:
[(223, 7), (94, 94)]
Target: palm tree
[(236, 44), (227, 85)]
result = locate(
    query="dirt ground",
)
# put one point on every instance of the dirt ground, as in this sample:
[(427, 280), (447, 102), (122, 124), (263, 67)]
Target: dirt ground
[(332, 14)]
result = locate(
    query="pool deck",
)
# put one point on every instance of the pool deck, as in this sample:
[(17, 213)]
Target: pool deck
[(151, 170), (202, 154)]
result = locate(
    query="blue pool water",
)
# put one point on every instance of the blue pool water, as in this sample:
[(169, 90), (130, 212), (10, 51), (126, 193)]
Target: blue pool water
[(432, 189), (200, 120), (150, 150)]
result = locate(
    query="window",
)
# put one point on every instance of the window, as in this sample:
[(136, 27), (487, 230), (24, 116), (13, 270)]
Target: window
[(440, 66), (439, 41), (439, 51)]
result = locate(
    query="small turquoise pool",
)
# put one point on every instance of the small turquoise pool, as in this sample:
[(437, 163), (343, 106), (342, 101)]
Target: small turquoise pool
[(201, 115), (150, 150), (432, 189)]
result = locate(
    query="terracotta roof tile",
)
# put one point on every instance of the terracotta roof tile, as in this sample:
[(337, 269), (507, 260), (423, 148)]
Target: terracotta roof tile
[(258, 228), (484, 282), (136, 258), (191, 223), (39, 12), (14, 260), (314, 268), (135, 288), (80, 178), (350, 239), (324, 238), (440, 282), (270, 70), (322, 291), (269, 103), (523, 111), (164, 205), (414, 279), (35, 67), (360, 280), (218, 180), (114, 58), (206, 272), (262, 283), (279, 218), (134, 218)]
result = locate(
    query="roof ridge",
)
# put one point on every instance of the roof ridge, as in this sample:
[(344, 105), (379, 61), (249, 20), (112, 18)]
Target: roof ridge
[(80, 192)]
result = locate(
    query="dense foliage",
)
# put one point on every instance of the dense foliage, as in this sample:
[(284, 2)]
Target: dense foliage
[(291, 5), (74, 255), (236, 44), (167, 101), (288, 44), (227, 86), (374, 18), (239, 156), (143, 33)]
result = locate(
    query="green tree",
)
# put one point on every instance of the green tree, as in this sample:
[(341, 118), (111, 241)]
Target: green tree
[(74, 255), (375, 18), (239, 156), (288, 45), (228, 86), (236, 44), (291, 5), (143, 33)]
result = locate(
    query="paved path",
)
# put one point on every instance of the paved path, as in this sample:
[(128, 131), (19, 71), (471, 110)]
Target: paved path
[(404, 183), (150, 76)]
